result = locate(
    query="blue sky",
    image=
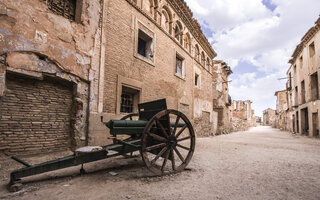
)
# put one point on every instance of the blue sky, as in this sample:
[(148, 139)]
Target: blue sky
[(256, 38)]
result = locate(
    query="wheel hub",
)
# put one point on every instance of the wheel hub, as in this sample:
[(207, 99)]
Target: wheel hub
[(172, 141)]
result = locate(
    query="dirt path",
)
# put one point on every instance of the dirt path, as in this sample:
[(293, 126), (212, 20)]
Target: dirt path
[(262, 163)]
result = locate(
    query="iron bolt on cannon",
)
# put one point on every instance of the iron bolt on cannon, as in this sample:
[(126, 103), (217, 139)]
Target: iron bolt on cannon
[(165, 139)]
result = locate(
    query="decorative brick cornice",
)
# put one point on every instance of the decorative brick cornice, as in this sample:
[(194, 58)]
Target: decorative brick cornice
[(304, 40), (184, 12)]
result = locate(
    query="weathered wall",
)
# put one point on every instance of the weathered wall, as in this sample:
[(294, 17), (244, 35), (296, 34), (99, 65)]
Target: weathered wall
[(38, 42)]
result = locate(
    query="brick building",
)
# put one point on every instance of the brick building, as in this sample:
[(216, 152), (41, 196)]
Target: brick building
[(269, 117), (66, 63), (281, 109), (303, 85)]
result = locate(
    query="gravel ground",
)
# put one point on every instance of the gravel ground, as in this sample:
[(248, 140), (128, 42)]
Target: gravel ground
[(261, 163)]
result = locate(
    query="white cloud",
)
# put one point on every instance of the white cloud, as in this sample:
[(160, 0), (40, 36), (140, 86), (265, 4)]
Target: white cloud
[(246, 30)]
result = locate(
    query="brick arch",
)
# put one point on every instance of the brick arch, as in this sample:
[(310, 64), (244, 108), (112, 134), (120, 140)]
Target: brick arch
[(187, 42), (203, 58), (166, 12), (197, 53), (178, 31)]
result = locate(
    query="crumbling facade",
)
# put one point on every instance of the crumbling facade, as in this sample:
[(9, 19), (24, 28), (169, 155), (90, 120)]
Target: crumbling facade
[(242, 115), (221, 97), (281, 109), (269, 117), (49, 60), (66, 63), (303, 85)]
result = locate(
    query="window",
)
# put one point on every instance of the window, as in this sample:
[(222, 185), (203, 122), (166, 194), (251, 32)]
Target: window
[(178, 32), (129, 100), (196, 80), (197, 53), (203, 59), (289, 81), (296, 96), (145, 45), (314, 86), (208, 64), (311, 49), (147, 5), (303, 94), (166, 19), (301, 61), (179, 66), (65, 8), (187, 42)]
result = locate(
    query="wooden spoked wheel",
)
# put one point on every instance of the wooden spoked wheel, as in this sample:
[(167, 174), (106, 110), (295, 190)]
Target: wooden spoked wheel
[(167, 150)]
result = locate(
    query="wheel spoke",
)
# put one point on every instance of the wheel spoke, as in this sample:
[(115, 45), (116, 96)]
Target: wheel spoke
[(185, 138), (179, 154), (168, 124), (157, 137), (158, 155), (173, 161), (157, 146), (165, 161), (182, 129), (176, 125), (183, 147), (162, 128)]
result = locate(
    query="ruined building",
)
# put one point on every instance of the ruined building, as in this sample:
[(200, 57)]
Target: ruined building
[(303, 85), (281, 108), (221, 97), (66, 63), (242, 115), (269, 117)]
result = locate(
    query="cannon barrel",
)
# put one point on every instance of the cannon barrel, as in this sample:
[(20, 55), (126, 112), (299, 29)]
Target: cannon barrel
[(133, 123)]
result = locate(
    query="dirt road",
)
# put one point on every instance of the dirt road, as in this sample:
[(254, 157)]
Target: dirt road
[(262, 163)]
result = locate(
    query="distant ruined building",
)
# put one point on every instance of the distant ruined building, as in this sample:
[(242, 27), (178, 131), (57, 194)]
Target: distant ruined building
[(242, 115), (269, 118), (299, 109), (66, 63)]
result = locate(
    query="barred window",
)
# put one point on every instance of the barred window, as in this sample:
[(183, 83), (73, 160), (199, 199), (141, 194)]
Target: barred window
[(65, 8), (129, 100), (126, 103)]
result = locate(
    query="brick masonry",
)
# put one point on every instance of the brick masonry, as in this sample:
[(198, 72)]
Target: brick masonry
[(35, 116)]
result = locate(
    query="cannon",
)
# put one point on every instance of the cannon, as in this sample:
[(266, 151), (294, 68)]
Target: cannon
[(164, 137)]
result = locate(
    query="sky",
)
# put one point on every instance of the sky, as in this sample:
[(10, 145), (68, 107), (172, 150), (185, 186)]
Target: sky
[(256, 38)]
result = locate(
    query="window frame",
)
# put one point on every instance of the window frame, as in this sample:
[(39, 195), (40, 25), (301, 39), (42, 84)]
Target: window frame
[(129, 83), (183, 68), (148, 32)]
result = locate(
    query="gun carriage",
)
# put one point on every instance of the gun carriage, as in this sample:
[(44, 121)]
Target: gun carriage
[(164, 137)]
